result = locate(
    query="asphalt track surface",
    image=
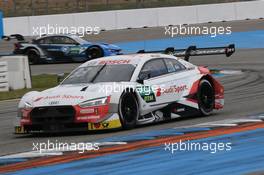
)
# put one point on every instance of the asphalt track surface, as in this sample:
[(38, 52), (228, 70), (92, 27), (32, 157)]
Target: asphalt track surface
[(244, 96)]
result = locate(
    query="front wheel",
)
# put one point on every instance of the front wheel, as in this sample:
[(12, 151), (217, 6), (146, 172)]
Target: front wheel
[(128, 110), (94, 52), (206, 97)]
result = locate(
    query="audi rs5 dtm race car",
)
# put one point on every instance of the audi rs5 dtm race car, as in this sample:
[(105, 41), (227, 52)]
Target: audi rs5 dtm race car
[(124, 91)]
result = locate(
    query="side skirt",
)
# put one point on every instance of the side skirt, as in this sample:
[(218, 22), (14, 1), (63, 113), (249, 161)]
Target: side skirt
[(172, 111)]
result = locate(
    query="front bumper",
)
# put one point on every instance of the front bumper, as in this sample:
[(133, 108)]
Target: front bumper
[(63, 119)]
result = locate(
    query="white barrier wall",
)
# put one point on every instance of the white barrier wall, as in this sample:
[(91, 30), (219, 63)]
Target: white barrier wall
[(136, 18), (250, 10), (216, 12), (105, 20), (17, 71), (177, 15)]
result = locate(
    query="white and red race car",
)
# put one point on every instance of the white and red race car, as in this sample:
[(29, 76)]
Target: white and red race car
[(124, 91)]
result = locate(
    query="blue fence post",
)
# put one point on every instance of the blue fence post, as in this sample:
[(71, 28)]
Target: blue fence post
[(1, 25)]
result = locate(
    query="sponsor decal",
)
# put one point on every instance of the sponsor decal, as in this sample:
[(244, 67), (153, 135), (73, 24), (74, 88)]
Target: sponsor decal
[(105, 125), (89, 111), (158, 93), (20, 130), (91, 114), (114, 62), (88, 117), (172, 89), (176, 110), (60, 97), (147, 93), (75, 50)]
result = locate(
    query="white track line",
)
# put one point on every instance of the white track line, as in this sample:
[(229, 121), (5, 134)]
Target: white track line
[(56, 152), (218, 124), (32, 154)]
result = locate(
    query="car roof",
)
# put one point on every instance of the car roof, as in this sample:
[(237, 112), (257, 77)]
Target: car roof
[(53, 35)]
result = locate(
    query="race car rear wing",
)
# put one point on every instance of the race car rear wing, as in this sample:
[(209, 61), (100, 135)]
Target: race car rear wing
[(18, 37), (194, 51)]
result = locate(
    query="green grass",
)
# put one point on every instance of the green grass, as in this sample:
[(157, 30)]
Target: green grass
[(39, 83)]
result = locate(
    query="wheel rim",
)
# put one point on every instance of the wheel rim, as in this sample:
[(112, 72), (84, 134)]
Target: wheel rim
[(207, 96), (95, 53), (128, 108), (32, 57)]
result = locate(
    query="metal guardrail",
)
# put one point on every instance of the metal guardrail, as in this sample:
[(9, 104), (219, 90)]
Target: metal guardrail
[(12, 8)]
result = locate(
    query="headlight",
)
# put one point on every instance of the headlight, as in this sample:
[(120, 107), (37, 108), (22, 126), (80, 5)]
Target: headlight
[(27, 106), (94, 102)]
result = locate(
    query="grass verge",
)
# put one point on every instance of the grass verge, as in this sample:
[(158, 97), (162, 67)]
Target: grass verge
[(39, 83)]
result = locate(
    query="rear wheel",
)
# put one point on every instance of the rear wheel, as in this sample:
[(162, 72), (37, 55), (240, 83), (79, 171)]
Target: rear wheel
[(33, 56), (128, 110), (206, 97), (94, 52)]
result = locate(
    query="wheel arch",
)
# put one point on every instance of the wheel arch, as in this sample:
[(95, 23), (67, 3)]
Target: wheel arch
[(95, 45), (208, 78), (218, 90), (31, 48), (133, 91), (123, 120)]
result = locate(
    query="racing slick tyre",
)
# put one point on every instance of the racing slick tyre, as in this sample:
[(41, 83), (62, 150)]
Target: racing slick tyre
[(33, 56), (128, 110), (206, 97), (94, 52)]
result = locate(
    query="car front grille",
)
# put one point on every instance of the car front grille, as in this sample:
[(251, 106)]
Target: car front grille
[(52, 115)]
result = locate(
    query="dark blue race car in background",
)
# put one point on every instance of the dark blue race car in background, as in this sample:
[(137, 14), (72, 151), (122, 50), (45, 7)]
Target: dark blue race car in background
[(62, 48)]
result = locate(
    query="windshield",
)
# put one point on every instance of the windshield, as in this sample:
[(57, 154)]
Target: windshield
[(101, 73), (79, 40)]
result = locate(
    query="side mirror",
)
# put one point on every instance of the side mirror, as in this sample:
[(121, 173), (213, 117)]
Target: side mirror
[(144, 75), (60, 77)]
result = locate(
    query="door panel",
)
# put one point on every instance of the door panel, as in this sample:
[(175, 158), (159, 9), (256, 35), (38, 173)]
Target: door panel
[(168, 86), (58, 47)]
